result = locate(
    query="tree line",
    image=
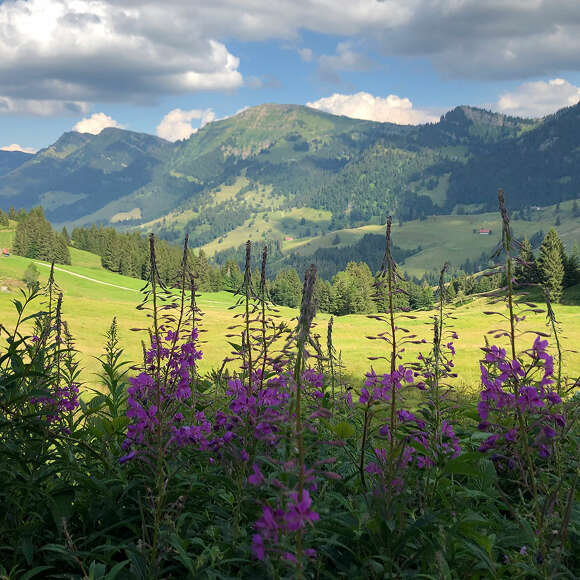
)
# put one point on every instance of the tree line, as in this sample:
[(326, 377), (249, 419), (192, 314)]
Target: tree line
[(553, 267), (348, 291), (34, 238)]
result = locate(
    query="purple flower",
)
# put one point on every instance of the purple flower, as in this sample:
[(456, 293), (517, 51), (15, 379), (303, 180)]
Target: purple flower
[(489, 443), (495, 354), (256, 478), (544, 451), (483, 410), (364, 396), (549, 432), (127, 457), (511, 435), (371, 379), (299, 513), (258, 548), (539, 346), (405, 415)]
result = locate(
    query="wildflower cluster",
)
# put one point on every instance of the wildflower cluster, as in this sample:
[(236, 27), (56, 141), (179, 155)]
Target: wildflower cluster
[(60, 401), (155, 399), (288, 482), (511, 388)]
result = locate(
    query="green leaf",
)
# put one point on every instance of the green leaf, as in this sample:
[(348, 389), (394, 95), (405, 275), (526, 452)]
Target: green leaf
[(344, 430), (34, 572)]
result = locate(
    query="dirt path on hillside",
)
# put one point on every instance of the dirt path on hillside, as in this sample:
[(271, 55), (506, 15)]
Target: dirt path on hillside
[(101, 282), (87, 278)]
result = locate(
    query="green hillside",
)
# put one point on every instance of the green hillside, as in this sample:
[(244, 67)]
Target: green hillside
[(10, 160), (288, 158), (303, 238)]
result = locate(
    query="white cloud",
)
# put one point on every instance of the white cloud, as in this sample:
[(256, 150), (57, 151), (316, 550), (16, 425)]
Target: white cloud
[(15, 147), (306, 54), (109, 50), (537, 99), (391, 109), (176, 125), (41, 108), (95, 124)]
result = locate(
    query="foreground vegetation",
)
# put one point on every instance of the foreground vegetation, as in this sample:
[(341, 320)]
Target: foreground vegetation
[(278, 468)]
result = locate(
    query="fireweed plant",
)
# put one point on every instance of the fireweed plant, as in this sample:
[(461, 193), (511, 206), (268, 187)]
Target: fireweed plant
[(273, 467), (530, 427)]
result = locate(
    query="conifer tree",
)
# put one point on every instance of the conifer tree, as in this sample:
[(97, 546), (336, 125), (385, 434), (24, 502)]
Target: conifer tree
[(526, 270), (550, 265), (64, 233), (35, 238), (4, 222), (450, 292), (287, 288), (572, 267)]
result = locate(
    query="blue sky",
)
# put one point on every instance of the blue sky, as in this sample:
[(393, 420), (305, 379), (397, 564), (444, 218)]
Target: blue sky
[(166, 68)]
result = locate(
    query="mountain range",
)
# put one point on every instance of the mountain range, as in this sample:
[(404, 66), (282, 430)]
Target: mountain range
[(319, 171)]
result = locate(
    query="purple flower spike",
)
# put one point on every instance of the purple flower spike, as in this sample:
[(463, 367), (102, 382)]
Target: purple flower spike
[(258, 548)]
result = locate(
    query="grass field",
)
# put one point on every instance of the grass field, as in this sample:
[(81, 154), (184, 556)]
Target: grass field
[(89, 307)]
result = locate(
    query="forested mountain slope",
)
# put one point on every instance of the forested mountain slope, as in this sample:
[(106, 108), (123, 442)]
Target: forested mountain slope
[(299, 162), (10, 160)]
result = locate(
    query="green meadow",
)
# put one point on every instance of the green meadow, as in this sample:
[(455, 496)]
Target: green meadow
[(93, 296), (450, 238)]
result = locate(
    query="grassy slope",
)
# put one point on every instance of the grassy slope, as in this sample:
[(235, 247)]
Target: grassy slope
[(90, 307), (450, 237)]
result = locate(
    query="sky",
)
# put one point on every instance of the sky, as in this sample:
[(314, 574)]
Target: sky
[(169, 67)]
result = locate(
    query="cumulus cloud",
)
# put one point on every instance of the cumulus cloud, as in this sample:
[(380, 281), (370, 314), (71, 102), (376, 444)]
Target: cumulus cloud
[(537, 99), (95, 124), (391, 109), (306, 54), (82, 51), (16, 147), (501, 39), (176, 125), (109, 50)]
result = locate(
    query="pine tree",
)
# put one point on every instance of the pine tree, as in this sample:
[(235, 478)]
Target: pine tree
[(550, 266), (4, 222), (35, 238), (572, 267), (201, 270), (31, 274), (450, 292), (232, 275), (60, 251), (64, 233), (526, 270), (322, 295), (287, 288)]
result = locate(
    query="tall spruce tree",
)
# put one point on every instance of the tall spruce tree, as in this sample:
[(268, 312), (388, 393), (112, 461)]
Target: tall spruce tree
[(526, 270), (35, 238), (287, 288), (550, 265), (572, 267)]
